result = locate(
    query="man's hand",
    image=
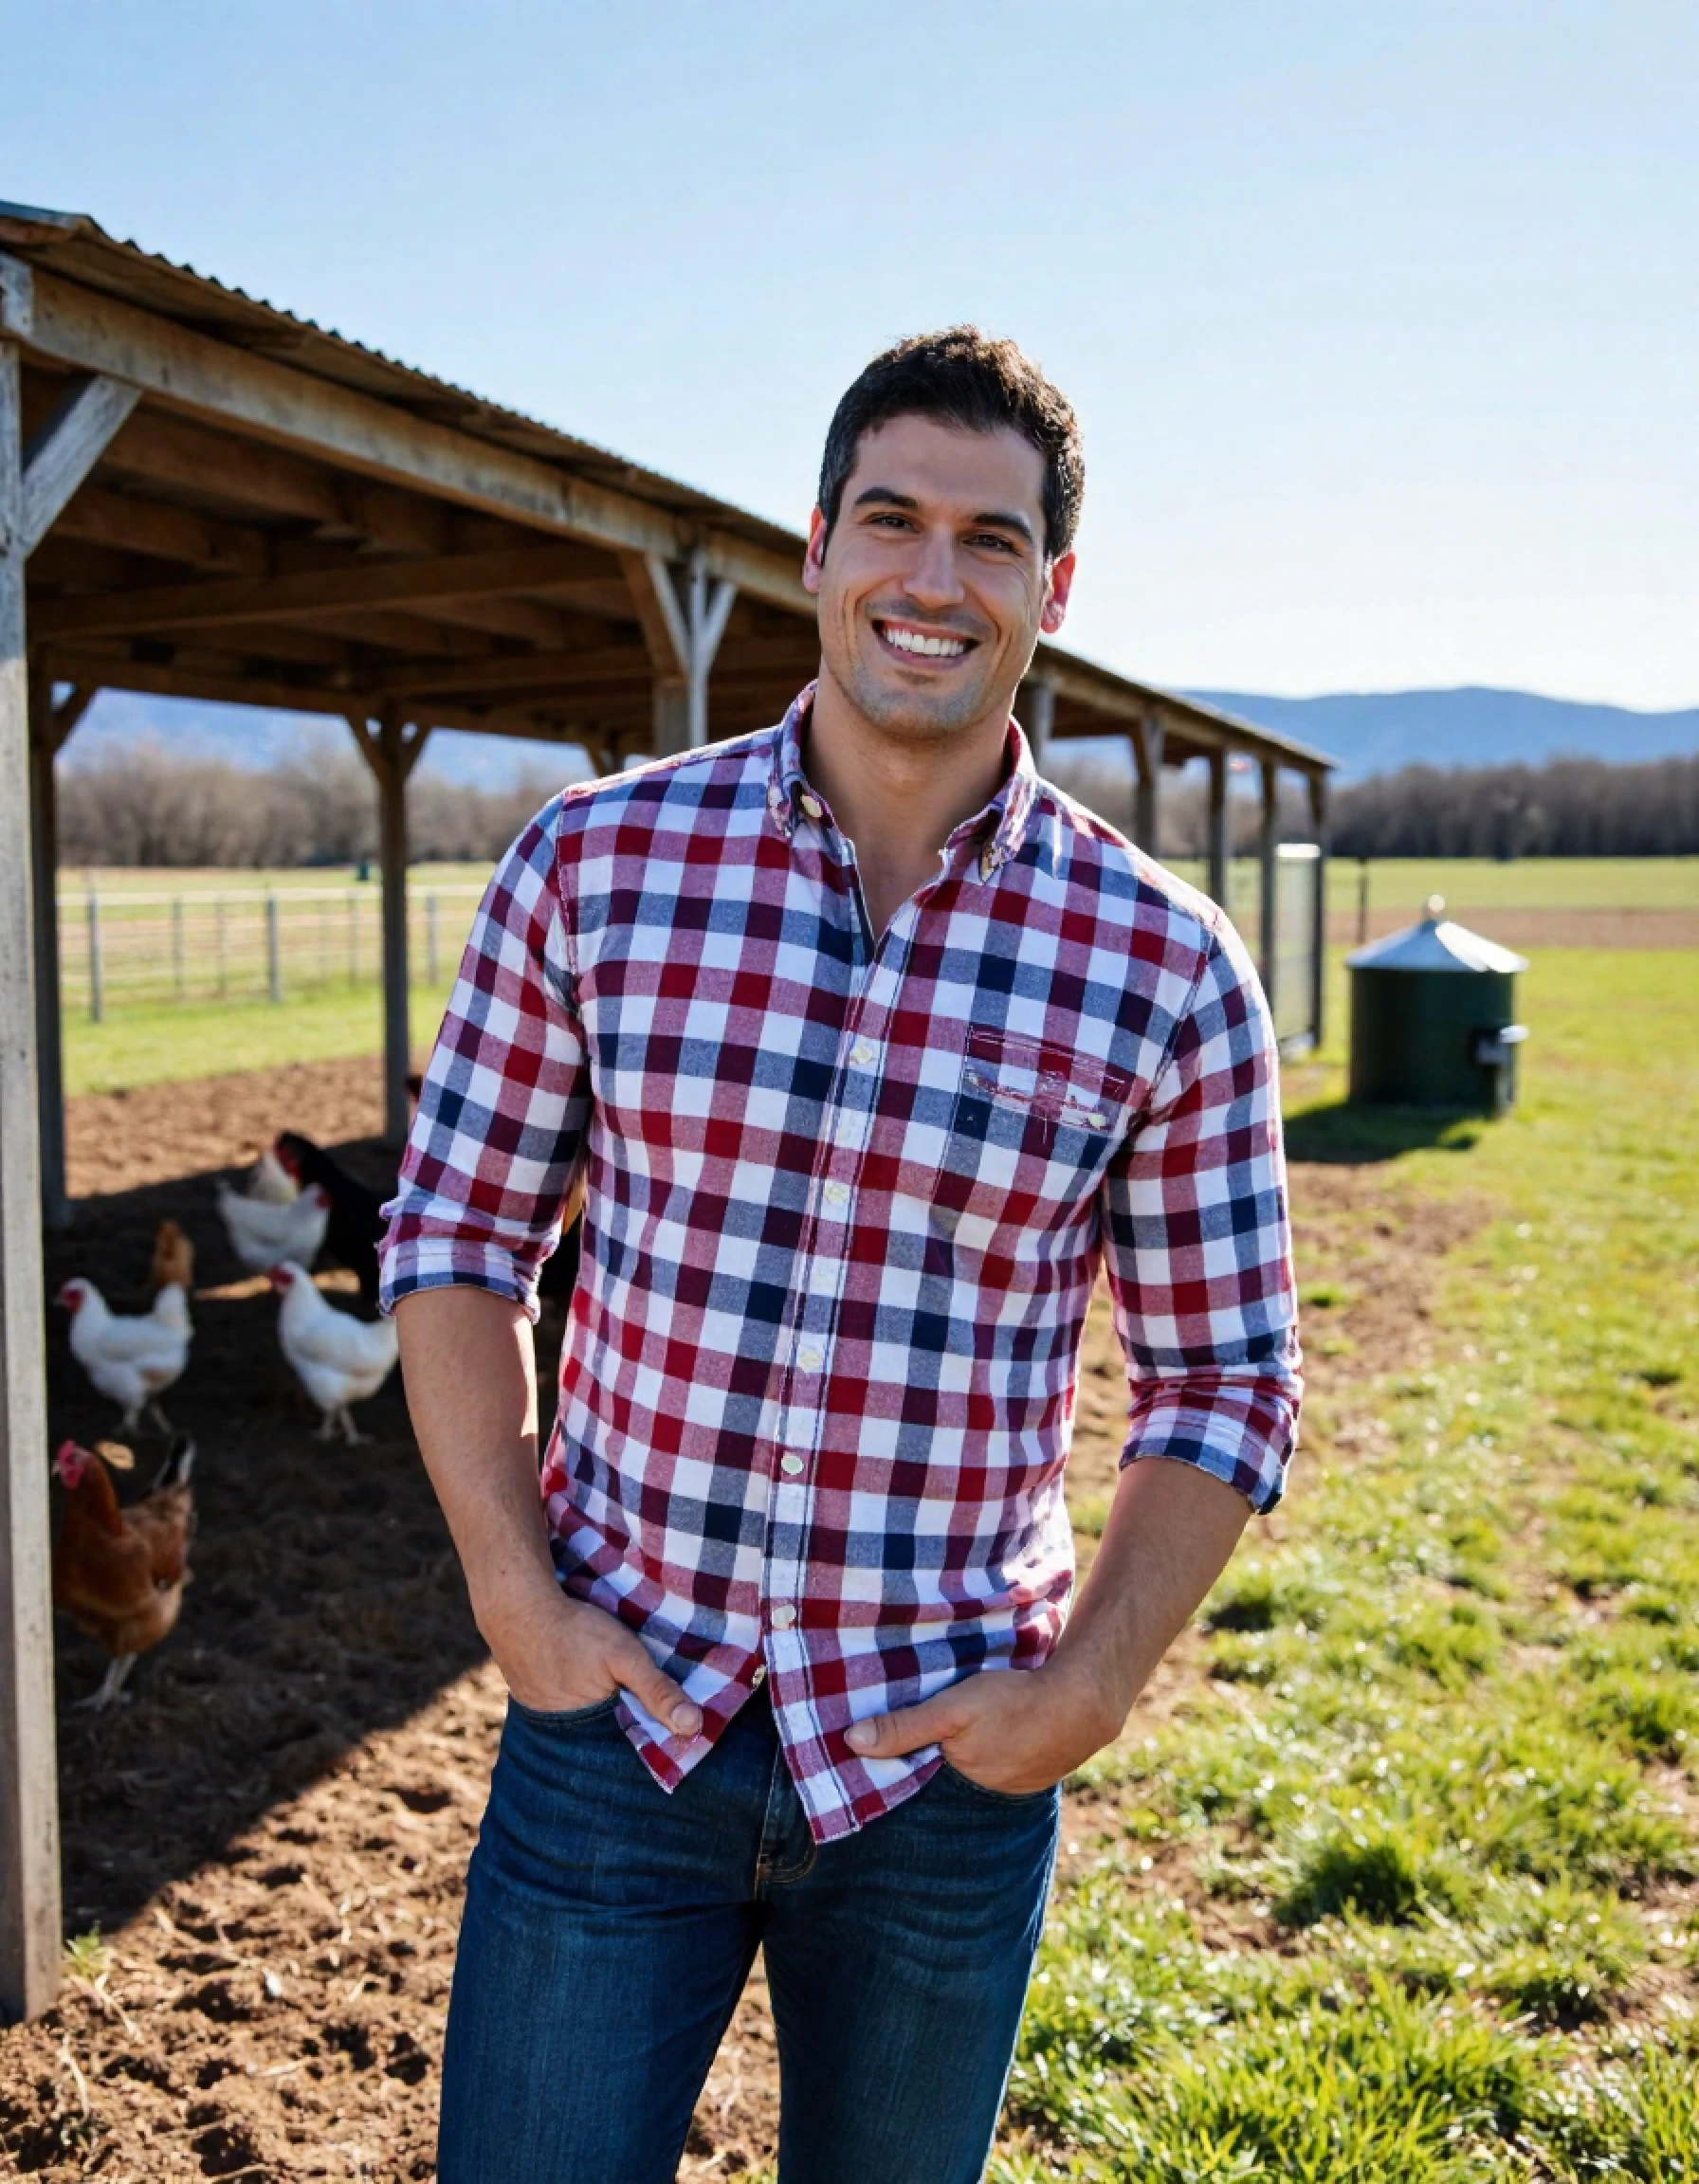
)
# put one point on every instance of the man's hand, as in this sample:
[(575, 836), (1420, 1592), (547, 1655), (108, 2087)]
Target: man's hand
[(1015, 1731), (567, 1654), (1171, 1530)]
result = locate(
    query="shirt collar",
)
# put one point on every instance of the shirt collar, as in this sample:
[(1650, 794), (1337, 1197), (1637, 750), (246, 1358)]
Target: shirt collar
[(1000, 828)]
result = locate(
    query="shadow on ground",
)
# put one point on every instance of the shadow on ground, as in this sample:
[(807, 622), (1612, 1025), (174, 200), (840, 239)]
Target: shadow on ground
[(1345, 1135), (326, 1600)]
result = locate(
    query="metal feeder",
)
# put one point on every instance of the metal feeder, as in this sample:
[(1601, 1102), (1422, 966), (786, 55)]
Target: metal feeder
[(1432, 1018)]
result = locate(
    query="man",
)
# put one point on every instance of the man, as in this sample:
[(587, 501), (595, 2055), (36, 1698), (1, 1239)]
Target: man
[(867, 1047)]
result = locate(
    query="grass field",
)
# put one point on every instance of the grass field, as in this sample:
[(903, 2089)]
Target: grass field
[(1401, 1883)]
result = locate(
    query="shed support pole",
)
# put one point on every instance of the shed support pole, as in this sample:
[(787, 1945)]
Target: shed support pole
[(1038, 718), (1147, 749), (1318, 814), (391, 749), (708, 609), (1219, 845), (1268, 847), (49, 728), (30, 1906)]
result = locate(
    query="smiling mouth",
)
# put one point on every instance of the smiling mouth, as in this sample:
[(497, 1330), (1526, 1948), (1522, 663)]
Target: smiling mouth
[(912, 644)]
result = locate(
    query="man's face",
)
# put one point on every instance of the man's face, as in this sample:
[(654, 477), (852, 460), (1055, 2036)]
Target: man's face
[(935, 586)]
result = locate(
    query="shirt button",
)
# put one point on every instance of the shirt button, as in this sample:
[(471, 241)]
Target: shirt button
[(812, 1360), (759, 1676), (792, 1467), (836, 1193), (814, 806), (783, 1615), (862, 1052)]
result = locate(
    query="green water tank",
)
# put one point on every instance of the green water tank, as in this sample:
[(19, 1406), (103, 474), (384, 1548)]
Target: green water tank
[(1433, 1018)]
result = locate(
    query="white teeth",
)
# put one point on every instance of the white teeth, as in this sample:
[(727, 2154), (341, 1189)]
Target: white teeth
[(930, 647)]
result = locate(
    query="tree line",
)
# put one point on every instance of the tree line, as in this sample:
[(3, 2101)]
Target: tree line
[(144, 804)]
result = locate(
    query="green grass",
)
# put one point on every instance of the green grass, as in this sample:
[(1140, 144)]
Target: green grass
[(1525, 883), (1407, 1888), (166, 880), (164, 1044)]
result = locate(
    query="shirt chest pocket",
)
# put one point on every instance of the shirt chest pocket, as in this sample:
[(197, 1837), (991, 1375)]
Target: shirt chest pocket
[(1034, 1128)]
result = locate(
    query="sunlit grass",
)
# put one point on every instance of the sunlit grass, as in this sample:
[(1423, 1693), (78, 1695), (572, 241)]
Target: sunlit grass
[(1407, 1887)]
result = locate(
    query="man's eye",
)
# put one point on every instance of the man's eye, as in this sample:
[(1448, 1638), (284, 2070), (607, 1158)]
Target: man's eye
[(995, 541)]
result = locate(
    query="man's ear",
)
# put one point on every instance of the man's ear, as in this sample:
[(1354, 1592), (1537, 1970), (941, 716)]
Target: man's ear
[(814, 561), (1060, 583)]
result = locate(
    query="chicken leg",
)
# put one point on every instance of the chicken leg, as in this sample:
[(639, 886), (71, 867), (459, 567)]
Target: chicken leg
[(112, 1690)]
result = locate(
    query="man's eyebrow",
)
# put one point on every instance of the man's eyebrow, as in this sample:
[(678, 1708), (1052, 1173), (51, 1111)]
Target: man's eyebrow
[(994, 519)]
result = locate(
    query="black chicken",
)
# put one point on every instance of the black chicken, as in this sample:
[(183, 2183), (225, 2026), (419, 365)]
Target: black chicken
[(356, 1223)]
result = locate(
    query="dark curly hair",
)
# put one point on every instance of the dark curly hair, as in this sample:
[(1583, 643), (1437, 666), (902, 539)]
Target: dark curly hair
[(964, 377)]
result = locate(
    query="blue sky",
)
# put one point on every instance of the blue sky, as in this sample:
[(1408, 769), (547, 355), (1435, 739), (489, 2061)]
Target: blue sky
[(1381, 318)]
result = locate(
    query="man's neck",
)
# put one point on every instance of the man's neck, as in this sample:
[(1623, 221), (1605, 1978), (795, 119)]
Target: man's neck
[(898, 801)]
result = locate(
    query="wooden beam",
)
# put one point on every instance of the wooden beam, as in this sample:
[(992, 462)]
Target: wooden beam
[(31, 1937), (1149, 738), (66, 448), (314, 591), (100, 517), (193, 375), (660, 617), (1318, 1001), (392, 746), (1267, 852), (709, 601), (1038, 716), (1219, 845), (516, 671)]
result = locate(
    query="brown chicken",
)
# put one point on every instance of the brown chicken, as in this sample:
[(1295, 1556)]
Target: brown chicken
[(172, 1261), (118, 1573)]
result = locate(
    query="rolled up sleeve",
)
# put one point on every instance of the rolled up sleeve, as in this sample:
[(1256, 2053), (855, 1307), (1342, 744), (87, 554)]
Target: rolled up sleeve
[(504, 1104), (1198, 1245)]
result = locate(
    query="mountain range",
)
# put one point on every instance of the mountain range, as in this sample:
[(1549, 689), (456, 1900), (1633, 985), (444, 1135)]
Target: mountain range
[(1374, 732)]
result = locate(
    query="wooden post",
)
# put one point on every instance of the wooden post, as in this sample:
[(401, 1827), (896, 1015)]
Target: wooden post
[(1219, 847), (97, 979), (1318, 814), (31, 1938), (1147, 749), (708, 609), (1268, 847), (392, 750), (1038, 711), (49, 726), (274, 953)]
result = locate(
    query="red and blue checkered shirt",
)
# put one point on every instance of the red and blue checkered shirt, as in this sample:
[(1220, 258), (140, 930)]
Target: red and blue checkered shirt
[(846, 1197)]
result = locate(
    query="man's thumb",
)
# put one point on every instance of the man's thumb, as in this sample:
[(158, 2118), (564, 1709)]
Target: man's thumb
[(888, 1736), (657, 1694)]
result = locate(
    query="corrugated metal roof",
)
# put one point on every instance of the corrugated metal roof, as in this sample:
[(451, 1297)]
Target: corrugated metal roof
[(77, 246)]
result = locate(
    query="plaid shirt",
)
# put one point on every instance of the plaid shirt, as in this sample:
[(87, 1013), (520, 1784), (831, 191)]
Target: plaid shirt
[(846, 1201)]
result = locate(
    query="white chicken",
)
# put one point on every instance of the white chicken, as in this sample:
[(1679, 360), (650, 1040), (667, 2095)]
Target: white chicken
[(271, 1182), (131, 1357), (337, 1358), (264, 1235)]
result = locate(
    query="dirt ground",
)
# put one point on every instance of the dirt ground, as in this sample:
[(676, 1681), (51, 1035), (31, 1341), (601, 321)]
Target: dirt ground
[(271, 1836)]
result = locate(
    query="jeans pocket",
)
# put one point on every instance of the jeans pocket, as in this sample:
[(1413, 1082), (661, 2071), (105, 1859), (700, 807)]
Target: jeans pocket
[(1012, 1798), (567, 1718)]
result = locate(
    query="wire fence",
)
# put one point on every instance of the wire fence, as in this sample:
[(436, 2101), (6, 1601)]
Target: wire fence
[(150, 949)]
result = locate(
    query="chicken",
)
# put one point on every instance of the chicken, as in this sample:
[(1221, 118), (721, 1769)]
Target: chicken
[(119, 1573), (172, 1261), (356, 1222), (337, 1358), (131, 1357), (269, 1180), (262, 1235)]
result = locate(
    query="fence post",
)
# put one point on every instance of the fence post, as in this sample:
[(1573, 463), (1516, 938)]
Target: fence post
[(274, 969), (354, 937), (430, 938), (218, 929), (176, 944), (97, 999)]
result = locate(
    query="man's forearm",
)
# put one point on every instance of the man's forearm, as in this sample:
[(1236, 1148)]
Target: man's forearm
[(471, 1387), (469, 1366), (1172, 1529)]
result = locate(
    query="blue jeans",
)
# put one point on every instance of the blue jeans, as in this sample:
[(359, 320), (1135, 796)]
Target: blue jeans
[(610, 1928)]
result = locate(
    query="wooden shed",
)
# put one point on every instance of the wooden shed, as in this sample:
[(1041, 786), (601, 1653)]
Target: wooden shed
[(204, 497)]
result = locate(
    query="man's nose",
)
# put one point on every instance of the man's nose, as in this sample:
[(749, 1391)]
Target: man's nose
[(933, 578)]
